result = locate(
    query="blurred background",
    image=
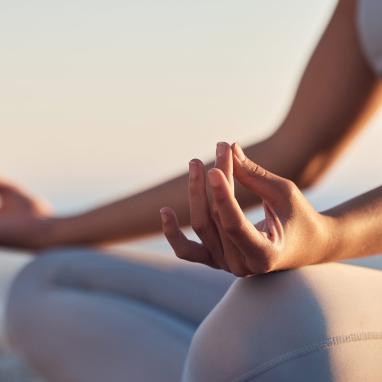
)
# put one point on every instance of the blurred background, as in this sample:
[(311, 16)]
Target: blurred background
[(99, 99)]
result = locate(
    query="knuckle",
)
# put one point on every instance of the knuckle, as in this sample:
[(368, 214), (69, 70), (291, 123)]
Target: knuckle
[(289, 188), (254, 169)]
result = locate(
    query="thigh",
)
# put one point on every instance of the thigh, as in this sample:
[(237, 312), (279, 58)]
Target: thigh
[(319, 323), (69, 335), (185, 290), (78, 315)]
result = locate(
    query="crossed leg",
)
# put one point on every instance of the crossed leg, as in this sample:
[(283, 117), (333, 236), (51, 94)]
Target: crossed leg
[(81, 316), (319, 323)]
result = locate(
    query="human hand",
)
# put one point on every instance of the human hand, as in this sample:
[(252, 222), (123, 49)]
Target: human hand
[(23, 218), (292, 234)]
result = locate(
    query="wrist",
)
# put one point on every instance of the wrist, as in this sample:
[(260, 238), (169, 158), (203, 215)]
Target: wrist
[(57, 232), (333, 243), (41, 235)]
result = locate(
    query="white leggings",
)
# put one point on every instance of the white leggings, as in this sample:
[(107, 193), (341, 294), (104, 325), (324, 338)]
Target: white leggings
[(81, 316)]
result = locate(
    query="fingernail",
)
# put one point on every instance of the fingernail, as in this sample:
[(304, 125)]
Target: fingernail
[(164, 216), (238, 151), (213, 178), (193, 169), (221, 149)]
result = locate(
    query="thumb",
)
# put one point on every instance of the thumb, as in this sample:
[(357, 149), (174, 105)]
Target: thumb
[(268, 186), (7, 184)]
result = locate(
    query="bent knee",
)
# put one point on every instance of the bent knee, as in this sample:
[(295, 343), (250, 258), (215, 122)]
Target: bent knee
[(28, 296), (264, 320)]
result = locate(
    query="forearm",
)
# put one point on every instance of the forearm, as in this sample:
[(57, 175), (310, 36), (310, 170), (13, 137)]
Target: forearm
[(138, 215), (357, 227), (132, 217), (319, 124)]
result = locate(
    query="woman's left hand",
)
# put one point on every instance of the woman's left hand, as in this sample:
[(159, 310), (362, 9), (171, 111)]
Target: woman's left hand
[(293, 233), (24, 218)]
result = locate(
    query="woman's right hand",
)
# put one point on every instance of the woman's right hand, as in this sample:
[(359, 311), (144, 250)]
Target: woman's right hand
[(293, 233), (24, 219)]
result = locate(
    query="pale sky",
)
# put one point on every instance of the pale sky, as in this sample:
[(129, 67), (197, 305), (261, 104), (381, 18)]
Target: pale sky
[(99, 98)]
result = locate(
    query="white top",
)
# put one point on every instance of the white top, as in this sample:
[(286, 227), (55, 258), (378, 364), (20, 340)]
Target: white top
[(370, 30)]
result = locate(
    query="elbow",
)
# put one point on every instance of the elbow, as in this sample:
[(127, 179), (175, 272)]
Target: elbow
[(306, 182), (311, 173)]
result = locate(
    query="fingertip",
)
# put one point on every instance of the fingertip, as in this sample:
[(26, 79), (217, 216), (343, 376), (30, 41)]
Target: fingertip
[(196, 162), (166, 214), (166, 210), (238, 152), (216, 170), (222, 148), (195, 168), (215, 177)]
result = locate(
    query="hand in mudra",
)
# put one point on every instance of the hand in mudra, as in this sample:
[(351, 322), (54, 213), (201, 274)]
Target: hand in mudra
[(292, 234), (22, 217)]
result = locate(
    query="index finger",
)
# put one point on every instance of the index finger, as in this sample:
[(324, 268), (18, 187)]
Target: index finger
[(233, 221)]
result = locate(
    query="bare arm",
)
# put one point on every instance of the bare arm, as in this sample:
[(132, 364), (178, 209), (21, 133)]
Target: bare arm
[(358, 226), (336, 95), (292, 234)]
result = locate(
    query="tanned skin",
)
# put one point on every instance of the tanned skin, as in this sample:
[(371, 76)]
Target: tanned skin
[(337, 94)]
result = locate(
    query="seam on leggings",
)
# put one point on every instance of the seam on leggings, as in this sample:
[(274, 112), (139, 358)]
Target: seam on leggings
[(306, 350)]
